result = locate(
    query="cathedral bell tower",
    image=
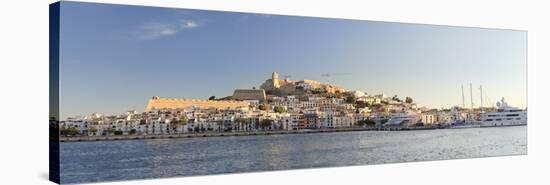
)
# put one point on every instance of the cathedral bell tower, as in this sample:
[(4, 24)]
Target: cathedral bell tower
[(275, 80)]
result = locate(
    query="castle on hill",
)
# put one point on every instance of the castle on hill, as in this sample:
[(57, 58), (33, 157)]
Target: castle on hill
[(242, 98), (278, 87)]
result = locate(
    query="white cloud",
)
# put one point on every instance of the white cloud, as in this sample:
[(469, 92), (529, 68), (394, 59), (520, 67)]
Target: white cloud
[(156, 30), (188, 24)]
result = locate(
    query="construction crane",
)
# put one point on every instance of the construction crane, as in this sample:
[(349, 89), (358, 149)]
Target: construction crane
[(328, 75), (333, 74), (287, 77)]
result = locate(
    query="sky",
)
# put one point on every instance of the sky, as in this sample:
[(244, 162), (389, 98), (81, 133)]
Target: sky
[(114, 58)]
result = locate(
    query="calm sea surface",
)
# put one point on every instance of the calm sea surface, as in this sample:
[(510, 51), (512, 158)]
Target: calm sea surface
[(137, 159)]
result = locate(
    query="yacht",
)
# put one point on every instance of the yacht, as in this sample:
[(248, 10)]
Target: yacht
[(504, 116), (397, 119)]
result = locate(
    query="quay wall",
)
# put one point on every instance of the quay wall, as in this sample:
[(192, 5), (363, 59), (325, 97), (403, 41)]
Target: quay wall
[(223, 134)]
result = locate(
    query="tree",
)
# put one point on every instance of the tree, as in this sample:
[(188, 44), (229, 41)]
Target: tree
[(350, 99), (72, 131), (366, 122), (264, 123), (361, 123), (93, 129), (362, 104), (279, 109), (197, 129), (408, 100), (262, 107), (239, 123), (117, 132), (220, 124), (177, 123), (212, 98), (247, 123), (395, 98), (111, 130), (203, 129)]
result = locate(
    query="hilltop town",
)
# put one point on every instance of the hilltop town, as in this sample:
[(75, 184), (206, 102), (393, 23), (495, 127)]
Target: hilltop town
[(277, 105)]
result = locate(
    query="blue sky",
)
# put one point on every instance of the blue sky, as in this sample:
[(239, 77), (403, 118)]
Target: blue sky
[(115, 58)]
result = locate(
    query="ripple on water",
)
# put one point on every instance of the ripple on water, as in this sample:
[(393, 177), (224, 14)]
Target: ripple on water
[(137, 159)]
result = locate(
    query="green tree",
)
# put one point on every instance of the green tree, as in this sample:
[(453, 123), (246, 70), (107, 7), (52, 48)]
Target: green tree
[(212, 98), (395, 98), (264, 123), (72, 131), (362, 104), (183, 120), (175, 123), (361, 123), (117, 132), (408, 100), (219, 124), (262, 107), (111, 130), (93, 129), (246, 123), (370, 123), (279, 109), (366, 122), (350, 99)]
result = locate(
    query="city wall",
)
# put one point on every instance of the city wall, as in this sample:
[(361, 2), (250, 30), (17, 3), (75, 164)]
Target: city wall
[(169, 103)]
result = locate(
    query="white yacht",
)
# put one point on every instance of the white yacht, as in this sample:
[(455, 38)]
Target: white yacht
[(401, 118), (504, 116)]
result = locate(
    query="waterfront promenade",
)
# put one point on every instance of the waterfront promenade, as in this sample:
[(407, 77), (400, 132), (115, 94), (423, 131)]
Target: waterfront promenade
[(224, 134)]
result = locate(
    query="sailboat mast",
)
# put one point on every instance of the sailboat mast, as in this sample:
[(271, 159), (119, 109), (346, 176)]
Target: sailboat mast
[(471, 98), (481, 97), (462, 88)]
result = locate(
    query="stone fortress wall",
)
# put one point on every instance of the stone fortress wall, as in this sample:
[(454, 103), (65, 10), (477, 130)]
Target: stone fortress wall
[(169, 103)]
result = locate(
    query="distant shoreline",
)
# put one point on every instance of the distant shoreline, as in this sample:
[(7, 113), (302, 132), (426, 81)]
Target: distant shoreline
[(225, 134), (251, 133)]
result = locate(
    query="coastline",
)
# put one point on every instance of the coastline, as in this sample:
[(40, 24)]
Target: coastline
[(227, 134), (252, 133)]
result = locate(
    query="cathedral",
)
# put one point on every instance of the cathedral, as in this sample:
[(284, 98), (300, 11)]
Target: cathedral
[(275, 83)]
